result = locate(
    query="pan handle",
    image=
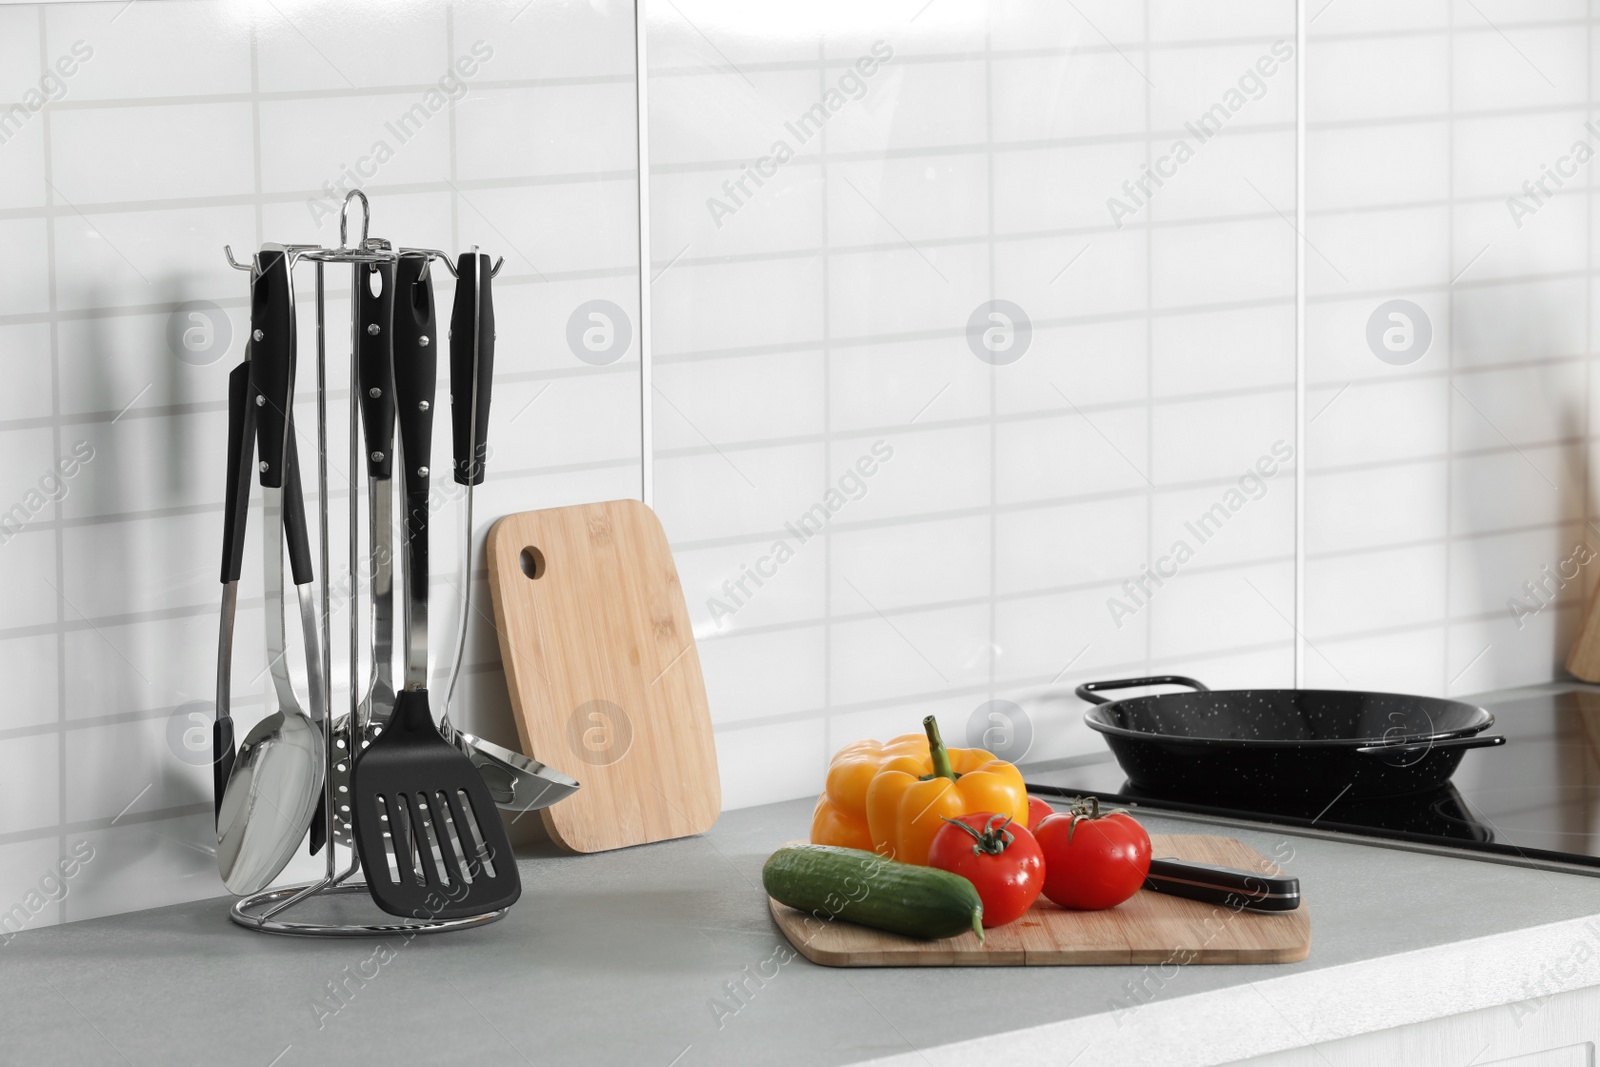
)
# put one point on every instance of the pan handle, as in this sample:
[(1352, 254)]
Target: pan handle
[(1429, 746), (1087, 690)]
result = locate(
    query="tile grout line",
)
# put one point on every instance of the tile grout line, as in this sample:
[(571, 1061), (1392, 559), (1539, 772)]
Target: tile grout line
[(1449, 350), (62, 770), (1149, 339), (991, 653), (827, 413)]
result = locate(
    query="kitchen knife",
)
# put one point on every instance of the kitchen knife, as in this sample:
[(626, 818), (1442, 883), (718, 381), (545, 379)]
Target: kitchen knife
[(1227, 886)]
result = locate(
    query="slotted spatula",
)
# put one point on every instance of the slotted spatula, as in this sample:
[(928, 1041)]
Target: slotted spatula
[(430, 840)]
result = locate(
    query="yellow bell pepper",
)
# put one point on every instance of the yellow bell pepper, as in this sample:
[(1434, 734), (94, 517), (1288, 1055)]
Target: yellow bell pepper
[(892, 798)]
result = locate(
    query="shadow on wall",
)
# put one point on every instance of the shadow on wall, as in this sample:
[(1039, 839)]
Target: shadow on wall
[(1535, 583)]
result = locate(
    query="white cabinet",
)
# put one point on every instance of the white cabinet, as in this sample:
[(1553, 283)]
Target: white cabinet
[(1556, 1031)]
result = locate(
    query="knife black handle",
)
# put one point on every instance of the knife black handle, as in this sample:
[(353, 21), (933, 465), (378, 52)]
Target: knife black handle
[(471, 366), (1228, 886), (294, 518), (241, 458), (416, 377), (374, 364), (272, 352)]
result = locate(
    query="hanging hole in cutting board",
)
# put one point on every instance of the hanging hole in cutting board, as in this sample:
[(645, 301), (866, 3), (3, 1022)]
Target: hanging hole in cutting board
[(533, 562)]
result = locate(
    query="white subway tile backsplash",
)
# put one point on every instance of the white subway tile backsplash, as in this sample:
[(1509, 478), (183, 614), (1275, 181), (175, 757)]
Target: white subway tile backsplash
[(1203, 613), (752, 676), (914, 200), (701, 390), (1227, 438), (334, 48), (1378, 422), (1062, 638), (1528, 67), (1071, 544), (150, 51), (911, 288), (1399, 587), (913, 105), (26, 287), (793, 589), (1203, 352), (1369, 507), (750, 492), (1511, 489), (1224, 262), (1072, 455), (914, 471), (1512, 321), (1094, 363), (878, 656), (1098, 95), (911, 564), (902, 383), (25, 365), (30, 664), (29, 783), (563, 130), (1376, 166), (1377, 79), (147, 144), (719, 306), (787, 758)]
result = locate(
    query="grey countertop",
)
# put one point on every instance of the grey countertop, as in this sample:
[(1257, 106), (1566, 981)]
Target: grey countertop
[(619, 957)]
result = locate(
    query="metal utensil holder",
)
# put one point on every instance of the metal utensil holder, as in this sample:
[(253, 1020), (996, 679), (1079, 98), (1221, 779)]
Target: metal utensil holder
[(261, 911)]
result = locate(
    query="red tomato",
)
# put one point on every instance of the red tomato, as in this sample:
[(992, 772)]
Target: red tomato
[(1092, 861), (1038, 811), (1000, 858)]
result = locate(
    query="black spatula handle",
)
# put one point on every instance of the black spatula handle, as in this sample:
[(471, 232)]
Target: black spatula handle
[(241, 458), (272, 352), (471, 366), (374, 360), (294, 519)]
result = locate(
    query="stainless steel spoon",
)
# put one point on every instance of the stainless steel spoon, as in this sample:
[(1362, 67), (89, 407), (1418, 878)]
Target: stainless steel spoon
[(278, 774)]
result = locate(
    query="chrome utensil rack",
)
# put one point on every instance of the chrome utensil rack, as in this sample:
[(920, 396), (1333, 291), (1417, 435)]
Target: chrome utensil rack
[(261, 911)]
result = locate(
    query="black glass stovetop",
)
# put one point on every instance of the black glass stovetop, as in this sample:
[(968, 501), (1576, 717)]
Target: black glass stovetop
[(1537, 798)]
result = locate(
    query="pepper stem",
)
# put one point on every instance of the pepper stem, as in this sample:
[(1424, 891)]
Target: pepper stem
[(936, 750)]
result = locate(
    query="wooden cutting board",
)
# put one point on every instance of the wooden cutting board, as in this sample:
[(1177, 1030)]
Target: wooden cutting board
[(604, 676), (1151, 928)]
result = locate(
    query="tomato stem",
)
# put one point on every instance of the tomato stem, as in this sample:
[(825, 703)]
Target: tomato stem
[(991, 839), (936, 750)]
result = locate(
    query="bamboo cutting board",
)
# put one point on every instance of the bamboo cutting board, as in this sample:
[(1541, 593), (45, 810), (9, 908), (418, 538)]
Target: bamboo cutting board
[(604, 676), (1151, 928)]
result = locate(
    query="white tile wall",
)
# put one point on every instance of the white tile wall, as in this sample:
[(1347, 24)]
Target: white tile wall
[(830, 311), (115, 202), (1436, 489), (811, 345)]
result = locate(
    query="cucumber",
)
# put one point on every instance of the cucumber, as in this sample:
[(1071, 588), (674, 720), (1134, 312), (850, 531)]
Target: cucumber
[(862, 887)]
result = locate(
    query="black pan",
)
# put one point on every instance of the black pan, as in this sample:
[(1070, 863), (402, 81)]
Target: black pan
[(1283, 743)]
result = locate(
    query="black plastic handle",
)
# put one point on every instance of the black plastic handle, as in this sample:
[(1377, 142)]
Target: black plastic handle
[(471, 366), (416, 381), (1414, 747), (241, 458), (272, 352), (1228, 886), (374, 364), (294, 519), (1087, 690)]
